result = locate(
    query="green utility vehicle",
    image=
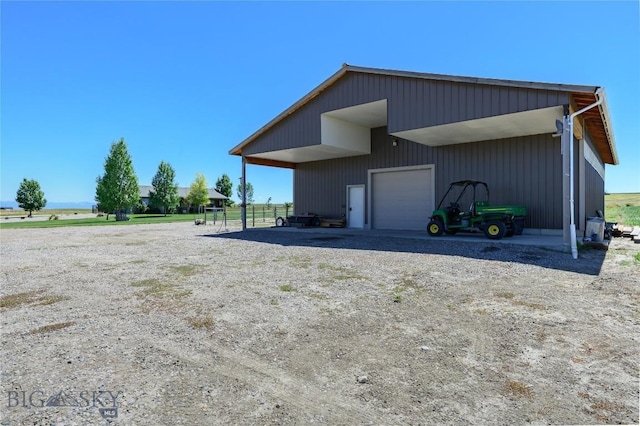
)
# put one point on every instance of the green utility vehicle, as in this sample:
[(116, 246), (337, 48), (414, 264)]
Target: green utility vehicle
[(495, 221)]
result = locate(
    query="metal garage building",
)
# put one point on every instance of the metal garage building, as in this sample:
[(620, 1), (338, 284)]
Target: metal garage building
[(379, 147)]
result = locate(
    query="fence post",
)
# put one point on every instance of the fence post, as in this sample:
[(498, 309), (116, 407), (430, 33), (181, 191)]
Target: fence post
[(253, 215), (263, 218)]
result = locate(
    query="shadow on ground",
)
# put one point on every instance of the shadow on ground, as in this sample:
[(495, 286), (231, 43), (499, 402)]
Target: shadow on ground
[(589, 261)]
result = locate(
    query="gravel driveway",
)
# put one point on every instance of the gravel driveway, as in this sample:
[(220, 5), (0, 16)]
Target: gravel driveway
[(176, 324)]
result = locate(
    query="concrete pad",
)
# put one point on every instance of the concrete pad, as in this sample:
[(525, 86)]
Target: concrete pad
[(551, 242)]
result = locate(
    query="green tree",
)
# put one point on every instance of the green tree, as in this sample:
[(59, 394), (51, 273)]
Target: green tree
[(30, 197), (118, 188), (165, 190), (249, 193), (225, 187), (184, 204), (198, 192)]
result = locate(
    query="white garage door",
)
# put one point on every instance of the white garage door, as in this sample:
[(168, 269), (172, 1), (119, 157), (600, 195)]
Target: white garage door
[(401, 199)]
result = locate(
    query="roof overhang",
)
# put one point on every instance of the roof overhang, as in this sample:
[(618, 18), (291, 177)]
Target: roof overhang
[(597, 120), (237, 150), (533, 122), (370, 115), (345, 132), (598, 123)]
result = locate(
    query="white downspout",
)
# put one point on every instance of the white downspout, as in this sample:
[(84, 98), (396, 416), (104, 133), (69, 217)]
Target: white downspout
[(572, 224)]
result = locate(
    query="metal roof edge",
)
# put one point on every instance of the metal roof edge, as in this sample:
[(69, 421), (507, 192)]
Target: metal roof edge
[(236, 150), (477, 80), (606, 119)]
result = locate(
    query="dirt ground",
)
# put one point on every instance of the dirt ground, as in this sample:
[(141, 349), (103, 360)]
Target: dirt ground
[(178, 324)]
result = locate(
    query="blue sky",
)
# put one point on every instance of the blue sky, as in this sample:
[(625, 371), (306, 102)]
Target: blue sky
[(183, 82)]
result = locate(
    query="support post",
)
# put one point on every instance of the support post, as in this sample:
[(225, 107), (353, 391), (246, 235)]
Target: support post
[(244, 194)]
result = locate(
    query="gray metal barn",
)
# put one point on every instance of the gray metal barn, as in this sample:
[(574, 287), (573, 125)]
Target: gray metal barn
[(379, 147)]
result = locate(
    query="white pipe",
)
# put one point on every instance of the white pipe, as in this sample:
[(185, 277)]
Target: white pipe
[(572, 224)]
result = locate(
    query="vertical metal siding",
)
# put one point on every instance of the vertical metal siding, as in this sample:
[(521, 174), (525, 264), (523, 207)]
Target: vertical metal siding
[(412, 103), (525, 170), (594, 184), (594, 191), (576, 184)]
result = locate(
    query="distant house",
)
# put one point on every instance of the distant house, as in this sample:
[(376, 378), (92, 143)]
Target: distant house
[(216, 199)]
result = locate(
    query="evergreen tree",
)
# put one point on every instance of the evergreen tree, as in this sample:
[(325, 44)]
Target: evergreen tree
[(225, 187)]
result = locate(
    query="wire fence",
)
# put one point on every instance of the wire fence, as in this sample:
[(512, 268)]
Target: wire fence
[(257, 215)]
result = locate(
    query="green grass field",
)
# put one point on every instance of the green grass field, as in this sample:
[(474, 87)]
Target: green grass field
[(135, 219), (623, 208)]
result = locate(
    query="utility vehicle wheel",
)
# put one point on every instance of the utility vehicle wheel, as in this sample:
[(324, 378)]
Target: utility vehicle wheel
[(280, 221), (451, 231), (511, 230), (495, 229), (518, 227), (435, 228)]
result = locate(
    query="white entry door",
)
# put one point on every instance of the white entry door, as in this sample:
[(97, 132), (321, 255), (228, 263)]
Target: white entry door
[(355, 206)]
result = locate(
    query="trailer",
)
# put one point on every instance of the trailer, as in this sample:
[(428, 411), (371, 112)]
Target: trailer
[(303, 220)]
